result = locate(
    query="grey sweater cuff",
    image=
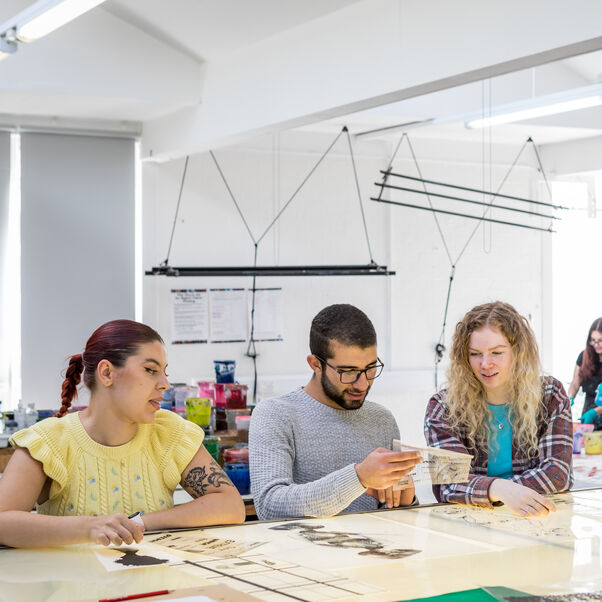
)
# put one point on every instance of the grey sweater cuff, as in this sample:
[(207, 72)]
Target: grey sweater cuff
[(350, 486)]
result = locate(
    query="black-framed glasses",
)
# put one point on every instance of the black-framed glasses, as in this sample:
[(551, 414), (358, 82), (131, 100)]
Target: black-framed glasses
[(595, 342), (348, 377)]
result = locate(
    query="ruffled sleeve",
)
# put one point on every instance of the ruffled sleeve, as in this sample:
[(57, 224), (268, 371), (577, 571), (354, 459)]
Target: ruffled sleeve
[(177, 441), (45, 443)]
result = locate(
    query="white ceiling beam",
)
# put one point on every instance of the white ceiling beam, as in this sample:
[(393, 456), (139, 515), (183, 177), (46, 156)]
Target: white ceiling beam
[(99, 56), (368, 54)]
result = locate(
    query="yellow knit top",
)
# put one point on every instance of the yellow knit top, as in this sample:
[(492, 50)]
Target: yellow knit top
[(93, 479)]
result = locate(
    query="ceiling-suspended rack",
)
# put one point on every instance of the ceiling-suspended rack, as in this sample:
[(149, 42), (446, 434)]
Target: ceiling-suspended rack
[(369, 269), (517, 212)]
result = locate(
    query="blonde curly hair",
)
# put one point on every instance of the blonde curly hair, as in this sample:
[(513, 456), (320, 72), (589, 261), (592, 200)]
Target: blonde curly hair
[(466, 399)]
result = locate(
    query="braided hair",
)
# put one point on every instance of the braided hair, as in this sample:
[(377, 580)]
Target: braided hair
[(114, 341)]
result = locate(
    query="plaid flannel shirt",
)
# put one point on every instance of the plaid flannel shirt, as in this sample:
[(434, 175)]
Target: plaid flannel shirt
[(548, 472)]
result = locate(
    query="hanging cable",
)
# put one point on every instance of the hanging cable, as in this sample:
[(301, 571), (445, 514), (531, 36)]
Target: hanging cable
[(311, 171), (429, 201), (483, 218), (440, 346), (244, 221), (486, 231), (390, 166), (251, 349), (359, 194), (541, 169), (175, 219)]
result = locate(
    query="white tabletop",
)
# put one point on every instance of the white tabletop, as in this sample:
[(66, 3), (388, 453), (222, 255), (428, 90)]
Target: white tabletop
[(386, 555)]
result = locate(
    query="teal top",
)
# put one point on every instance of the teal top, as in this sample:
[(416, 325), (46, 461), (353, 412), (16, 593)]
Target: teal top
[(500, 442)]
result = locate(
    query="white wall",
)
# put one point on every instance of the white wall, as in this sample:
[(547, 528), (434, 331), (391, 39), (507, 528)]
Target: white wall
[(323, 225)]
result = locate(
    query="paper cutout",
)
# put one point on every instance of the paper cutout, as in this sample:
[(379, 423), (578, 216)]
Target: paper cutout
[(135, 556), (439, 466)]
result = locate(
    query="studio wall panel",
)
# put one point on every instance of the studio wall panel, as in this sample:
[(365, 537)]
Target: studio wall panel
[(77, 250), (4, 189)]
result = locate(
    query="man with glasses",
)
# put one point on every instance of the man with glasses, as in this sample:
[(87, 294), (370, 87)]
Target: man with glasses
[(323, 449)]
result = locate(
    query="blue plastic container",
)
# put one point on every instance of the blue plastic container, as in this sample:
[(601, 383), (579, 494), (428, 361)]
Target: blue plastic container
[(224, 371), (238, 473)]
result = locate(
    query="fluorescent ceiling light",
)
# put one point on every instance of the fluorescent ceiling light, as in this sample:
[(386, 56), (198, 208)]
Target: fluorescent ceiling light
[(393, 129), (539, 111), (38, 20), (8, 44), (50, 15)]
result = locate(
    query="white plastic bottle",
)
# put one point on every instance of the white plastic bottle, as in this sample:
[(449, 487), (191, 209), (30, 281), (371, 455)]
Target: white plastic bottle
[(180, 395), (31, 415), (20, 415)]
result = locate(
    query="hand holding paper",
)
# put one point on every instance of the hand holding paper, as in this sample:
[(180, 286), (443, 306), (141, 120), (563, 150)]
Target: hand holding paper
[(382, 468), (440, 466)]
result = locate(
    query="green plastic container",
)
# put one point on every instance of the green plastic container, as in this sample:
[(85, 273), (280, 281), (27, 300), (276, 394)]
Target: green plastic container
[(211, 444)]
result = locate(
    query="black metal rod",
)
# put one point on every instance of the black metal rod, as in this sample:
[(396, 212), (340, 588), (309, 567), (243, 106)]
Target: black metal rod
[(485, 219), (297, 270), (506, 196), (456, 198), (371, 269)]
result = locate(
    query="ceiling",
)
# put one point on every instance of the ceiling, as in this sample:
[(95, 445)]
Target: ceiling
[(444, 113), (206, 29), (138, 60)]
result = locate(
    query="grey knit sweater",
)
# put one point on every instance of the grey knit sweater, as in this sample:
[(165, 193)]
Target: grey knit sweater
[(302, 455)]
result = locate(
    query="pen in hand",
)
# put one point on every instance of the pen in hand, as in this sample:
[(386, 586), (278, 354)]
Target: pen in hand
[(136, 517)]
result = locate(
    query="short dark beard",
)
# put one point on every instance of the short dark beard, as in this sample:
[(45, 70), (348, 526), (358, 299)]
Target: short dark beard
[(339, 399)]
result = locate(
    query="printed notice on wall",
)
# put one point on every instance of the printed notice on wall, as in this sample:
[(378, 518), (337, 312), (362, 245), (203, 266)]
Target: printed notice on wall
[(268, 314), (189, 316), (228, 315)]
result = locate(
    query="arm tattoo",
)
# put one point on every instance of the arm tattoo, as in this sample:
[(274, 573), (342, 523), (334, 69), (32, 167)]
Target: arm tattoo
[(200, 478)]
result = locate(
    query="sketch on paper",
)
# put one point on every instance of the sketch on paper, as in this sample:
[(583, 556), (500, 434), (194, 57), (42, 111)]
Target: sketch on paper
[(198, 542), (550, 527), (341, 539), (578, 504), (132, 557), (439, 466), (268, 578)]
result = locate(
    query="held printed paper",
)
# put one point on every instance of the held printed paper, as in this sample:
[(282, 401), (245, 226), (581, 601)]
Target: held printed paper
[(439, 466)]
